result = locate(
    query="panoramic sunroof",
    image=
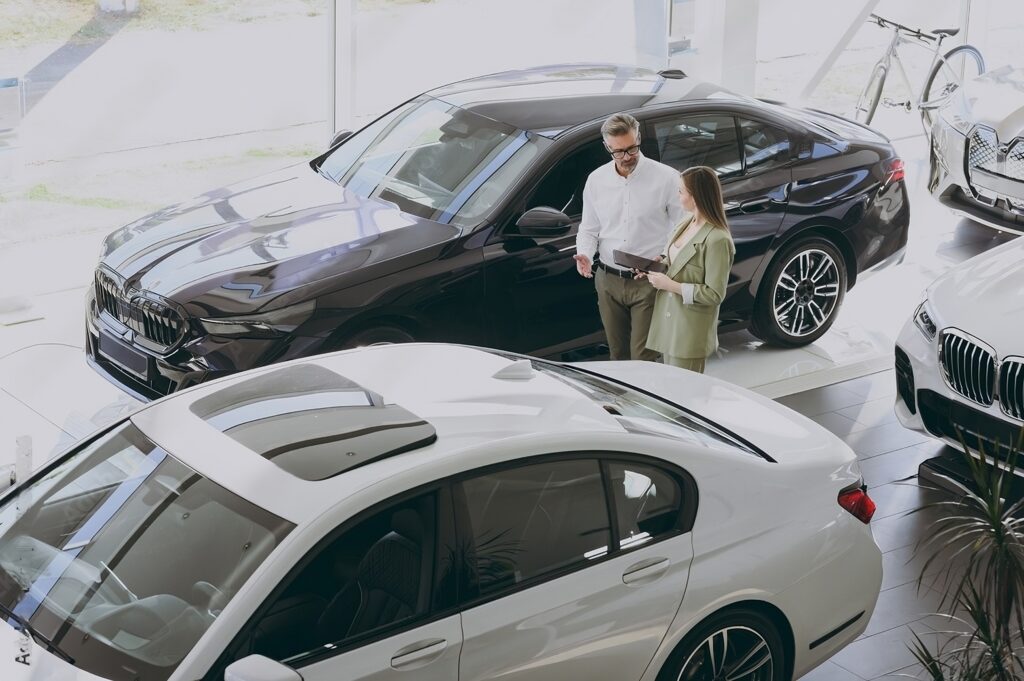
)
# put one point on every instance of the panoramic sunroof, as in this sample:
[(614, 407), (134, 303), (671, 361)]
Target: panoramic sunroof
[(312, 422)]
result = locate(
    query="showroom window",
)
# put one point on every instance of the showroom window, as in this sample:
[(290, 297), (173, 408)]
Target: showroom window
[(534, 521), (764, 146), (375, 577), (699, 140), (648, 503)]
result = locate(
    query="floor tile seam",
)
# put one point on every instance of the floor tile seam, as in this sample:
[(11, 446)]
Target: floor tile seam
[(898, 626), (848, 671), (24, 404), (892, 451)]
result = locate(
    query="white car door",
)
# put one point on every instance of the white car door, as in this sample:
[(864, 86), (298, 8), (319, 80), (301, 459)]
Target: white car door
[(553, 604), (427, 653), (374, 602)]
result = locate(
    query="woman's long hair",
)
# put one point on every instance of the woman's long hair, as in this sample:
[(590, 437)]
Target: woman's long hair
[(703, 185)]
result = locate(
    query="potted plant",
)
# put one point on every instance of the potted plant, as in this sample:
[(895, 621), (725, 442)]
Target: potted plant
[(984, 601)]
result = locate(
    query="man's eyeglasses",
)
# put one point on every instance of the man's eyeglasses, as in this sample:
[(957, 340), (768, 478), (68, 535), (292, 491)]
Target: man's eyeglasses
[(619, 154)]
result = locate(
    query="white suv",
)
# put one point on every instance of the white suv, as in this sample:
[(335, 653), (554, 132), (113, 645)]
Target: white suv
[(440, 512), (960, 359)]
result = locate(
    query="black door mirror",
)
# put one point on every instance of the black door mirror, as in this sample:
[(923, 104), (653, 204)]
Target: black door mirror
[(340, 137), (543, 221)]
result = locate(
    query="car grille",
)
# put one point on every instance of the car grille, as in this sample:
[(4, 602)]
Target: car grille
[(151, 319), (1011, 387), (969, 367), (981, 149), (1014, 163)]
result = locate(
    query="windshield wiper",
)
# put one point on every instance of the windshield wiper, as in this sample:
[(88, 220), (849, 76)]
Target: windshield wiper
[(25, 626)]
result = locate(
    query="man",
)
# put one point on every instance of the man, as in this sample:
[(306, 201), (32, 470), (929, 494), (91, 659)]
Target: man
[(629, 204)]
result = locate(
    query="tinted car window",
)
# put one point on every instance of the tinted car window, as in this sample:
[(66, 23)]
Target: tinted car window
[(764, 145), (699, 140), (648, 503), (375, 576), (531, 521), (562, 186)]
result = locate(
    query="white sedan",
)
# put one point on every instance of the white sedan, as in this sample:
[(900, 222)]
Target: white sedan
[(960, 358), (441, 512)]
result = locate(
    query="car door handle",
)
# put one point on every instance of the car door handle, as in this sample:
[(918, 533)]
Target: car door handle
[(419, 652), (645, 571), (755, 206)]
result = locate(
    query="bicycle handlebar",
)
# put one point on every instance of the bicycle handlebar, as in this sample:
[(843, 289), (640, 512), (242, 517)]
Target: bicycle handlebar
[(914, 32)]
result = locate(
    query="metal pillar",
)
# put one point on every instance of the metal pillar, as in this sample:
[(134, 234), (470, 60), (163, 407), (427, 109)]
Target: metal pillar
[(830, 60), (341, 44)]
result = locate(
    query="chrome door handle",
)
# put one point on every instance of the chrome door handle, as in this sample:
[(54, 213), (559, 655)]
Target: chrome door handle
[(645, 571), (755, 206), (421, 651)]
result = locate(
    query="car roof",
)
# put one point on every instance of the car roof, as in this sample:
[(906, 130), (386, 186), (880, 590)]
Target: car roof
[(469, 397), (550, 100)]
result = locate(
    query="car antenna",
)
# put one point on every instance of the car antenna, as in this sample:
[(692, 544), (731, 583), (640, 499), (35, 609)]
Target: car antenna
[(518, 370)]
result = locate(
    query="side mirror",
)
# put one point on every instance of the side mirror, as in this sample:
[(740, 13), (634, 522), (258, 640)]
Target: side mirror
[(340, 137), (259, 668), (543, 221)]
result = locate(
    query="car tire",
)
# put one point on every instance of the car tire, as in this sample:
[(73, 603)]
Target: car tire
[(376, 335), (800, 294), (742, 637)]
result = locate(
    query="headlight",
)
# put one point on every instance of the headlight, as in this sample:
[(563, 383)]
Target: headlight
[(265, 325), (957, 113), (924, 320)]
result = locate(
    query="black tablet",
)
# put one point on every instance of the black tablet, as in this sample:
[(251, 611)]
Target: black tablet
[(636, 262)]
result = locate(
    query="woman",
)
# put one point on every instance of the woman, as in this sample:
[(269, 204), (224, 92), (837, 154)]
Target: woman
[(684, 327)]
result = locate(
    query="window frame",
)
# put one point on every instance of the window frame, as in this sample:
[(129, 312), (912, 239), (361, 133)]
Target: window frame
[(790, 137), (444, 533), (794, 135), (649, 129), (515, 203), (688, 513)]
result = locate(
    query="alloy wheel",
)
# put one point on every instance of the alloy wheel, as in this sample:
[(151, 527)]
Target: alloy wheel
[(806, 292), (730, 654)]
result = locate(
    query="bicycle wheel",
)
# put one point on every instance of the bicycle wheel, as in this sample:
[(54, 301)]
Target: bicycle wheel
[(868, 100), (961, 63)]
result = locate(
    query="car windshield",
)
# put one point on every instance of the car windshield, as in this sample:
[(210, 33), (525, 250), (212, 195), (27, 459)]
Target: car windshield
[(123, 556), (434, 160)]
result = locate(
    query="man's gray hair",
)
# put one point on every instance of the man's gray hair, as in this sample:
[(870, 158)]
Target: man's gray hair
[(619, 124)]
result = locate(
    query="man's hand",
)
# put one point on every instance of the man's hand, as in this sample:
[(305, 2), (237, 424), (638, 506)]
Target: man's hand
[(584, 266)]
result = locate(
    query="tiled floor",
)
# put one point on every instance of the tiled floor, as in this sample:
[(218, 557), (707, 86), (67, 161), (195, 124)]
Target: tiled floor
[(860, 411)]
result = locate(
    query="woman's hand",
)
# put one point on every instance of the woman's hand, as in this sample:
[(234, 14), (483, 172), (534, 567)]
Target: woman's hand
[(662, 281), (637, 274)]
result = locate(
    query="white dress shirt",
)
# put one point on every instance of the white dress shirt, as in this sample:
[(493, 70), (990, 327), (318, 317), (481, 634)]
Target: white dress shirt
[(633, 214)]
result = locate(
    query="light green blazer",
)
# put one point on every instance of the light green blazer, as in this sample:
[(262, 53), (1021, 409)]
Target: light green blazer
[(690, 331)]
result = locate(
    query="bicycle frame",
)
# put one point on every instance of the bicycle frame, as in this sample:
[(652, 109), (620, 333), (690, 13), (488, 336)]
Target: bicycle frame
[(892, 55)]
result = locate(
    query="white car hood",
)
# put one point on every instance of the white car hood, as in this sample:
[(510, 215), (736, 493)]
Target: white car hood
[(997, 100), (984, 296), (17, 649), (783, 434)]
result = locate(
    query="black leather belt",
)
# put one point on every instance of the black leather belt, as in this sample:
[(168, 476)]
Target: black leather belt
[(614, 271)]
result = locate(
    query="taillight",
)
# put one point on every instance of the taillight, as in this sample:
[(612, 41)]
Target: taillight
[(894, 170), (858, 503)]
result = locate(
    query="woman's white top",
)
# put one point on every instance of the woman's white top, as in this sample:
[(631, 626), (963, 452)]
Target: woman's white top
[(685, 290)]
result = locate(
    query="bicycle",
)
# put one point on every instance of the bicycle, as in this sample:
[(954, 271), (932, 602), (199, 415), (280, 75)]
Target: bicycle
[(946, 72)]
